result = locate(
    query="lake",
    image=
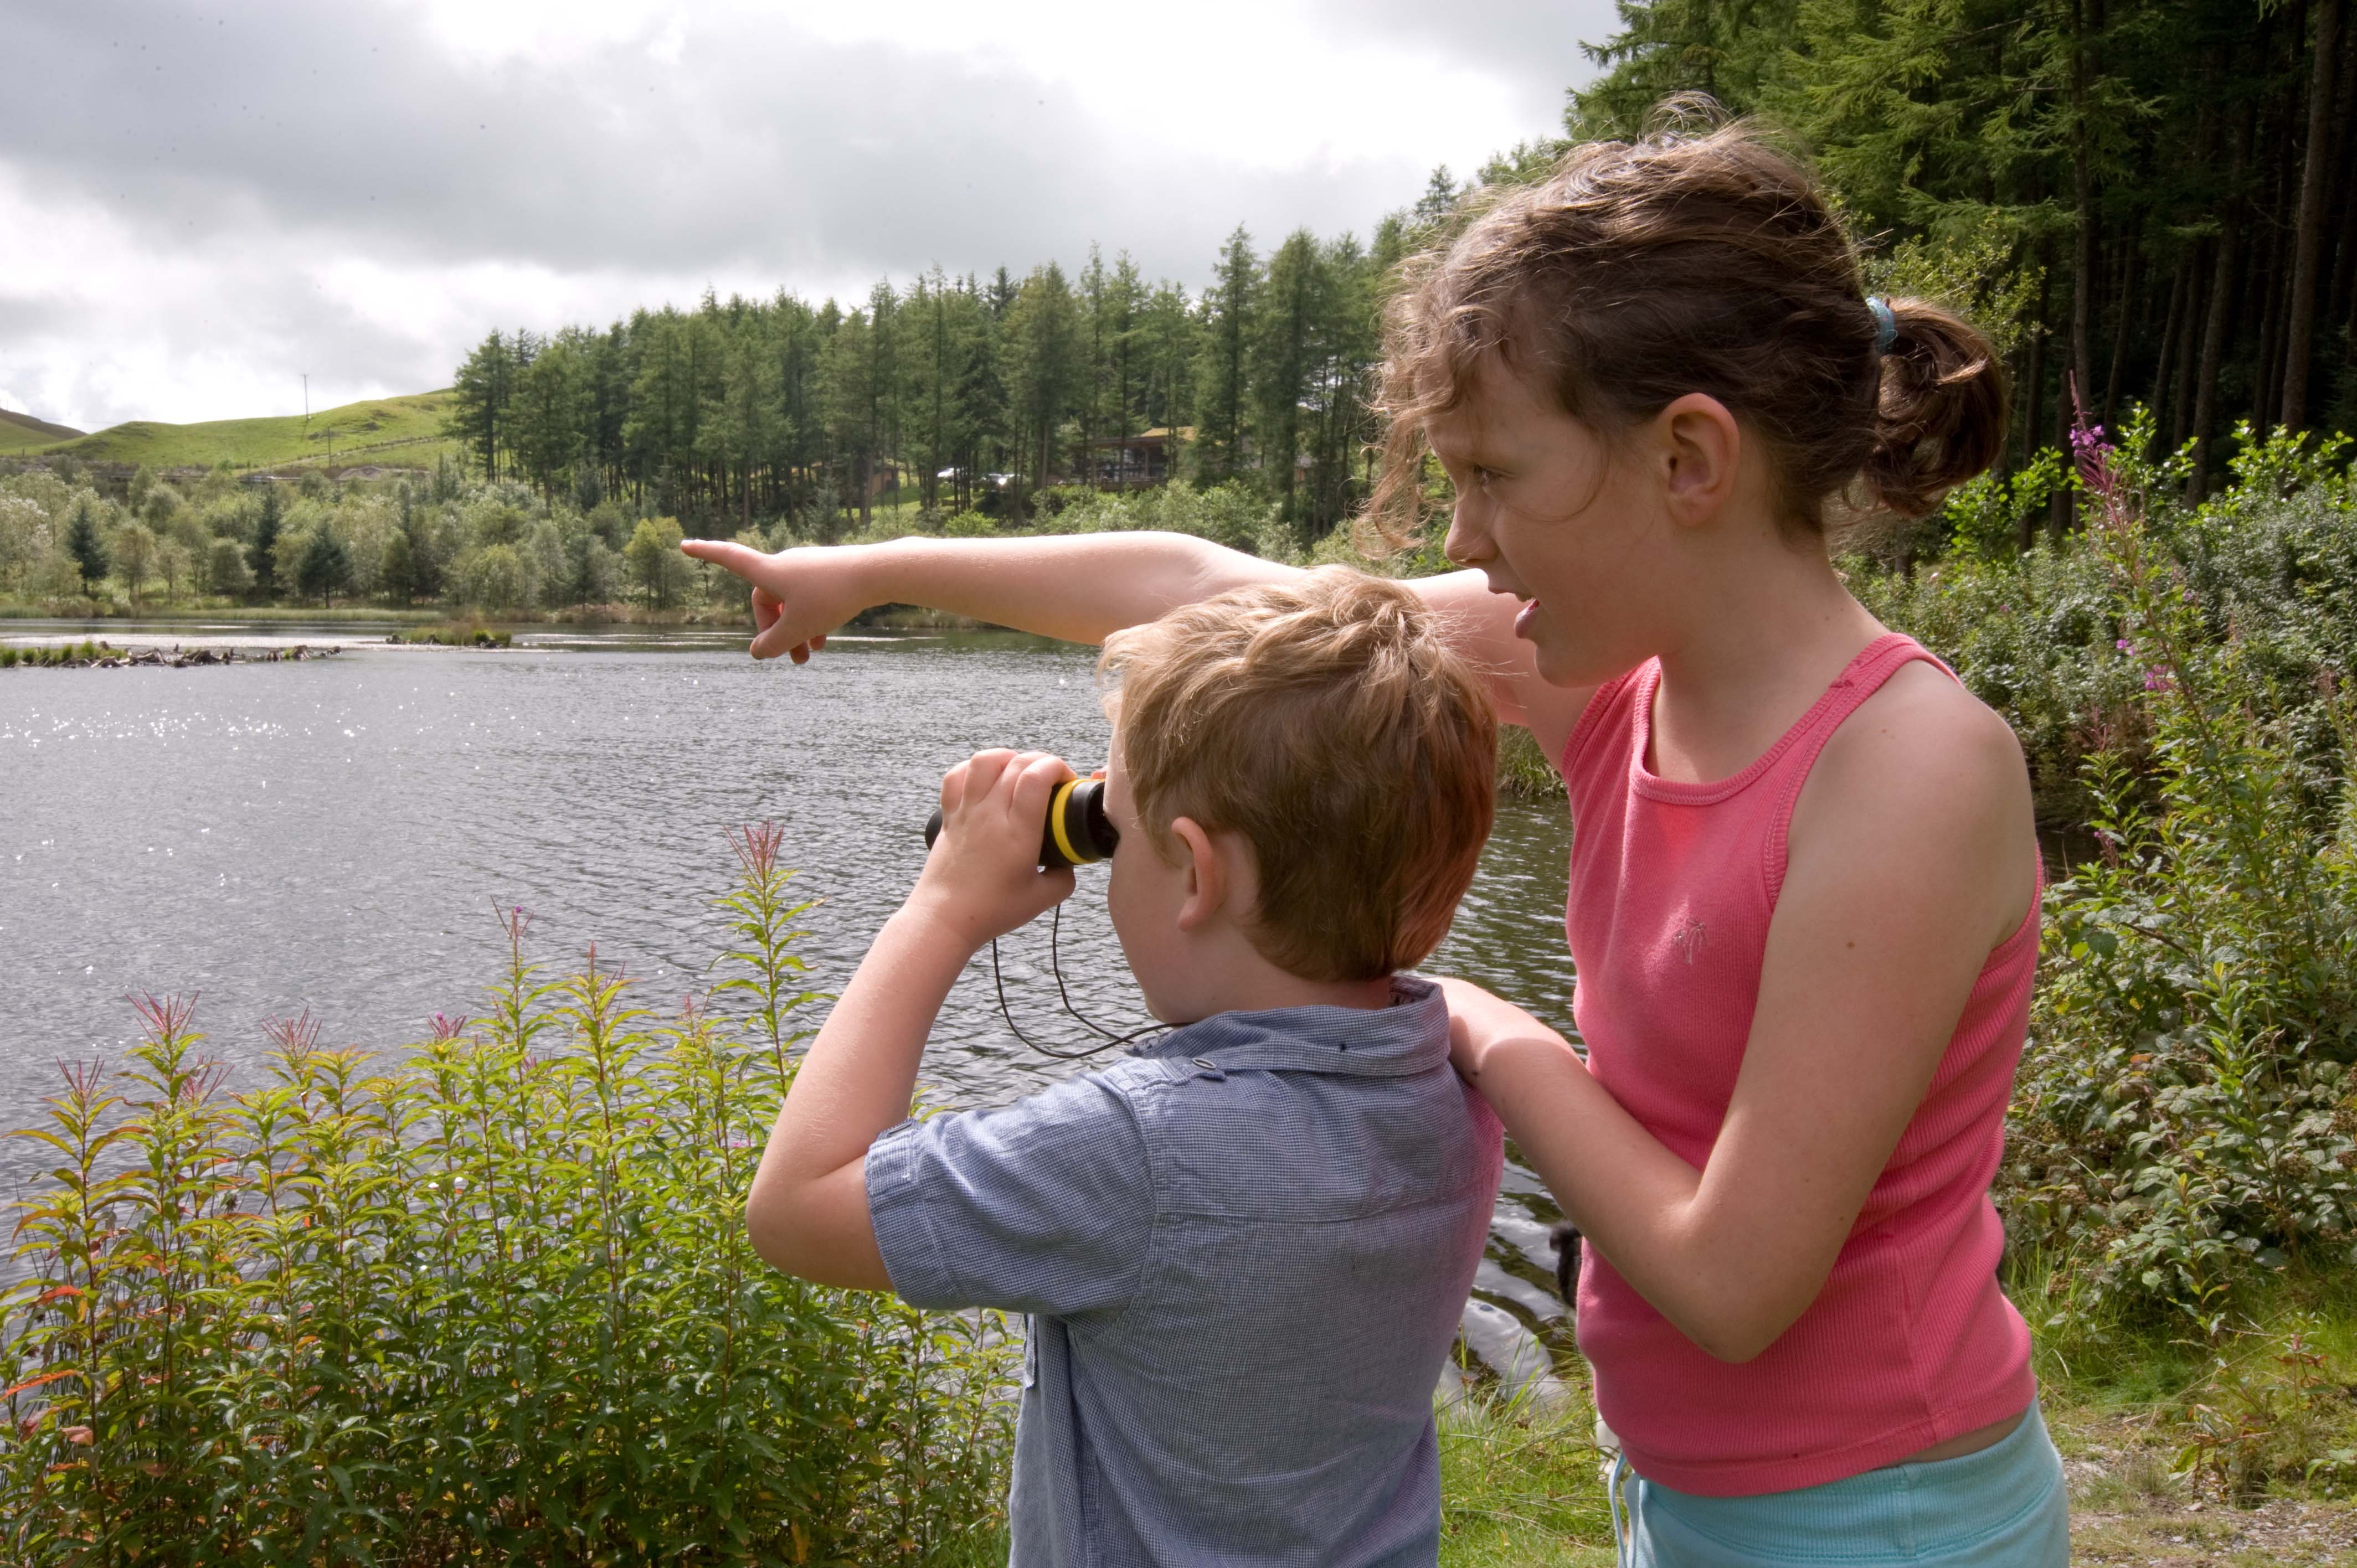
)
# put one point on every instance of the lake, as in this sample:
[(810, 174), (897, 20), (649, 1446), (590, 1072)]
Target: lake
[(335, 834)]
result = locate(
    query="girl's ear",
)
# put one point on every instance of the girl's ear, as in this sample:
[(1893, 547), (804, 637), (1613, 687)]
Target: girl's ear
[(1207, 878), (1701, 446)]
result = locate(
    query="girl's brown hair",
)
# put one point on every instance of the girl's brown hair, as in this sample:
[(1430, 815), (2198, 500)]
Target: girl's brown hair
[(1685, 263)]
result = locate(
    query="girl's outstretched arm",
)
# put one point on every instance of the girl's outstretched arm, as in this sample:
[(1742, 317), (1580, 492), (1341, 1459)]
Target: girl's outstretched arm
[(1083, 586), (1911, 857), (1079, 587)]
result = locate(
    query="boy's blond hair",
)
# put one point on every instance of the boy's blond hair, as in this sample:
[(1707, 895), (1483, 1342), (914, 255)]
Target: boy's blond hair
[(1324, 720)]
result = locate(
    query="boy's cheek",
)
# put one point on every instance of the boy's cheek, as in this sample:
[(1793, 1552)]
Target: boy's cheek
[(1145, 941)]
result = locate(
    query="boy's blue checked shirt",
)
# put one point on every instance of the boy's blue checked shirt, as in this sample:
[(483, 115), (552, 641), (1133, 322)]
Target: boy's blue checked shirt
[(1244, 1250)]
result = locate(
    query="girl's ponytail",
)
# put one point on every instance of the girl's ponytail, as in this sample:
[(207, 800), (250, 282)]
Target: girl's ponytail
[(1939, 415)]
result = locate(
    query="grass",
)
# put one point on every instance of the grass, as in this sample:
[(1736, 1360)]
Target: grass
[(1524, 771), (2233, 1446), (2228, 1437), (21, 432), (407, 431), (456, 634), (1519, 1488), (213, 610), (56, 656)]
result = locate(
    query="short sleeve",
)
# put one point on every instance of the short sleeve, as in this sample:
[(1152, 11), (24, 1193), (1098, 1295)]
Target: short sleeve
[(1045, 1205)]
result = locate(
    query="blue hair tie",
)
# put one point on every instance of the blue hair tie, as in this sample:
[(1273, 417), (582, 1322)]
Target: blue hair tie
[(1886, 326)]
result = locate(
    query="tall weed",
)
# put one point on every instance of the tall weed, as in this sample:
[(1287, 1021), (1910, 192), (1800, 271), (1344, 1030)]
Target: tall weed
[(2182, 1121), (491, 1299)]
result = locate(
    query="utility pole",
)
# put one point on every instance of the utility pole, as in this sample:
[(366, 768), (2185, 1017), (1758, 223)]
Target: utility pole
[(306, 412)]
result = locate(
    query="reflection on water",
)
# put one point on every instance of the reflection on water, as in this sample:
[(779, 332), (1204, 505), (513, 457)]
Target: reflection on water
[(335, 835)]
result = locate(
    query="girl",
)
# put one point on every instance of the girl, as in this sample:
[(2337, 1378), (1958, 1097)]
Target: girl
[(1804, 885)]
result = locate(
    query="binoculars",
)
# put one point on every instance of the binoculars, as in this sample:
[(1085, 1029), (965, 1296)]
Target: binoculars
[(1077, 832)]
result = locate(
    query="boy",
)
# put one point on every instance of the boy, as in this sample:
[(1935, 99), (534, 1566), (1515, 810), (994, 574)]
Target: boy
[(1244, 1248)]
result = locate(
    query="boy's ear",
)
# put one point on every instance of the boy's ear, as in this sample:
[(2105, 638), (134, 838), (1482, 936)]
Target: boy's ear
[(1207, 878)]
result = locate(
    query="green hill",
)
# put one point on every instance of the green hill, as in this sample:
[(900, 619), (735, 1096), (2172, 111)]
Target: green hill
[(396, 430), (19, 430)]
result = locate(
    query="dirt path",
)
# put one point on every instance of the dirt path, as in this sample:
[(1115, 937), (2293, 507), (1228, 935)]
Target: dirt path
[(2128, 1507)]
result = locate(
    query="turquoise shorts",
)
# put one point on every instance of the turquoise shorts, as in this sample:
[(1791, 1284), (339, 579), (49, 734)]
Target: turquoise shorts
[(2004, 1507)]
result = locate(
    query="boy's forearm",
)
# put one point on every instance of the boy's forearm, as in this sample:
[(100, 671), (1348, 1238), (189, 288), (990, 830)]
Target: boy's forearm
[(860, 1072), (806, 1211), (1080, 588)]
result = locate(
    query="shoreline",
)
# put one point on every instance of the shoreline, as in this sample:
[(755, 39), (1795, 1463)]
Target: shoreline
[(89, 655)]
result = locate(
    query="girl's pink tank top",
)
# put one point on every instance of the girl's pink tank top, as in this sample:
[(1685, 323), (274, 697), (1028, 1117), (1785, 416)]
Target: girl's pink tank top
[(1911, 1342)]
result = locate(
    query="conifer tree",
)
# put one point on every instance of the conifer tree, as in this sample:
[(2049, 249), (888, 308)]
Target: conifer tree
[(264, 554), (478, 406), (1224, 396), (88, 550), (394, 579), (1284, 350), (326, 568)]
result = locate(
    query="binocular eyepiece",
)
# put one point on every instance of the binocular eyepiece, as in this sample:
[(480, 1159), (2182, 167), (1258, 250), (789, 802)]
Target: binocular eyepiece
[(1077, 832)]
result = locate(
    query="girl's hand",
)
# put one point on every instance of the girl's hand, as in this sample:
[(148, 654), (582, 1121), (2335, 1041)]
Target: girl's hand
[(983, 878), (799, 596), (1478, 1020)]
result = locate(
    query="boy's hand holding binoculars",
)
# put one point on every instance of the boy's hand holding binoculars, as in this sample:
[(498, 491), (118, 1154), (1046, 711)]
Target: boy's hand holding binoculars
[(983, 877), (799, 596)]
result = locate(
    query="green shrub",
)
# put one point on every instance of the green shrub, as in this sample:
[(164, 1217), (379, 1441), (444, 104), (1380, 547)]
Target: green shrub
[(2038, 638), (489, 1301), (2043, 636), (1226, 514), (457, 634), (2182, 1121)]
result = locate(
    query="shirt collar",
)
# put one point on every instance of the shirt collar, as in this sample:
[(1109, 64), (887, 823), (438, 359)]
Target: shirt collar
[(1409, 1036)]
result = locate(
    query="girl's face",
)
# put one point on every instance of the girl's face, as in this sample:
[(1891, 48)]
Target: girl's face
[(1552, 515)]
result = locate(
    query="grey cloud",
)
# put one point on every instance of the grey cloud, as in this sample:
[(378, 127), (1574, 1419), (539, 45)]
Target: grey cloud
[(1534, 46), (762, 148), (245, 142)]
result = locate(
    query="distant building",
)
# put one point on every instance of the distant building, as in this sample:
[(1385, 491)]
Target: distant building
[(1134, 462)]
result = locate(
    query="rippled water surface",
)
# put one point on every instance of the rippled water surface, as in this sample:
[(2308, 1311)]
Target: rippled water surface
[(334, 835)]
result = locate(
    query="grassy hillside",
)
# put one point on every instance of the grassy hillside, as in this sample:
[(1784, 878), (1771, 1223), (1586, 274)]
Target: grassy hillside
[(19, 432), (407, 431)]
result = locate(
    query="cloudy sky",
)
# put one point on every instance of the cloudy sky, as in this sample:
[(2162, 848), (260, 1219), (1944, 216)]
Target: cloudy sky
[(200, 202)]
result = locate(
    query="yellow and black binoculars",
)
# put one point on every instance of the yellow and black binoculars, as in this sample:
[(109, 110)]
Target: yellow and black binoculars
[(1077, 832)]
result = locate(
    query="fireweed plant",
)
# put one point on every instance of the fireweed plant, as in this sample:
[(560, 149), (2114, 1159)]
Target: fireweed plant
[(489, 1301), (2183, 1124)]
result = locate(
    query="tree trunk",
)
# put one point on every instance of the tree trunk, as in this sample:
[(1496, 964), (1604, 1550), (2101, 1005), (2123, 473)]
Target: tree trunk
[(2221, 309), (2169, 389), (2267, 299), (2307, 243), (2123, 327), (2035, 383), (2083, 198), (2033, 379), (2341, 197)]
